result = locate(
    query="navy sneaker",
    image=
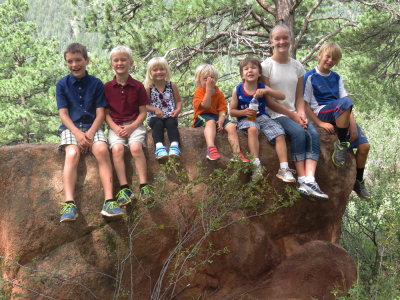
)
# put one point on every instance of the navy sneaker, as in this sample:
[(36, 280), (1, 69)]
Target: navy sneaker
[(146, 195), (125, 196), (111, 209), (361, 191), (69, 212), (313, 190), (339, 153)]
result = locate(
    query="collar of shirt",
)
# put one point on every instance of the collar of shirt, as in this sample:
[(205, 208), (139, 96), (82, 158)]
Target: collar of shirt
[(131, 82), (75, 80)]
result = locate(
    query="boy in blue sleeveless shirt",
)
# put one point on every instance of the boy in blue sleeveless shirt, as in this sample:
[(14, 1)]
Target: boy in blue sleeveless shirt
[(329, 106)]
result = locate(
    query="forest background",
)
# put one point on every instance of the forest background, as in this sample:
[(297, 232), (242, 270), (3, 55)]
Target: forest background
[(190, 32)]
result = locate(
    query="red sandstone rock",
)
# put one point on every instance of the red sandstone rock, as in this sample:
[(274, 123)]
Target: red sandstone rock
[(291, 253)]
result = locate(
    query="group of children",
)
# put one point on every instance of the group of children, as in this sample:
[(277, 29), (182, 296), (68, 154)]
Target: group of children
[(276, 86)]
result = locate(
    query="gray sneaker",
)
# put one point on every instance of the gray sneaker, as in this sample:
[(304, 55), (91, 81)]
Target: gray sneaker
[(286, 175), (361, 191), (339, 153), (257, 173), (314, 191)]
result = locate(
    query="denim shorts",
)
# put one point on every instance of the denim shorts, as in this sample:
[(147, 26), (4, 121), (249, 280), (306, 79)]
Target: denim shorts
[(203, 118), (304, 143), (269, 127)]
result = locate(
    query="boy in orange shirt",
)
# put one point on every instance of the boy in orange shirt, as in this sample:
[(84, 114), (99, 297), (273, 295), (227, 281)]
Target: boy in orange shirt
[(210, 110)]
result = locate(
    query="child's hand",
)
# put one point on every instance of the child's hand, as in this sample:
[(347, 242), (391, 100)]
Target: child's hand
[(159, 114), (248, 112), (82, 141), (328, 127), (210, 83), (175, 114), (260, 93), (126, 130), (220, 125), (353, 132)]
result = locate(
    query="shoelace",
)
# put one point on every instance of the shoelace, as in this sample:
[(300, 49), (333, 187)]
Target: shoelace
[(112, 205), (122, 194), (67, 207)]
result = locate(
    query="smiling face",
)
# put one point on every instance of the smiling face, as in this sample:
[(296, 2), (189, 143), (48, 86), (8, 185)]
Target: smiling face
[(326, 62), (158, 73), (121, 63), (281, 40), (250, 72), (76, 64)]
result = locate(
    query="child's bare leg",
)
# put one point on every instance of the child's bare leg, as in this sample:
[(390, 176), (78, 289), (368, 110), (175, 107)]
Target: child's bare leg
[(280, 148), (100, 151), (119, 163), (310, 167), (300, 168), (70, 172), (361, 155), (343, 121), (233, 137), (140, 161), (209, 132), (253, 142)]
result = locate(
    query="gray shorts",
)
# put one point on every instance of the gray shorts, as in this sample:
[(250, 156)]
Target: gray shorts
[(269, 127), (138, 135), (68, 138)]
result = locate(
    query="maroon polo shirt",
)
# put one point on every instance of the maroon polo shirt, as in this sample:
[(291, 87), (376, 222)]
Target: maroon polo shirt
[(124, 100)]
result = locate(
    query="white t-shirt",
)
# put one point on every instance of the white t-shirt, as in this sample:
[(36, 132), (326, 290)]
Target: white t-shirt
[(284, 78)]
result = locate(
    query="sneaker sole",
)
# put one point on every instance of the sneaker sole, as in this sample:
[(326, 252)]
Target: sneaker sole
[(174, 155), (161, 157), (285, 180), (124, 204), (106, 214), (68, 219), (212, 159)]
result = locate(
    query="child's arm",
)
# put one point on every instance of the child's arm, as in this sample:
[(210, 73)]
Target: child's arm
[(83, 142), (98, 121), (158, 112), (178, 101), (268, 91), (210, 86), (235, 112), (328, 127), (300, 103), (221, 120), (114, 126), (128, 129), (353, 128)]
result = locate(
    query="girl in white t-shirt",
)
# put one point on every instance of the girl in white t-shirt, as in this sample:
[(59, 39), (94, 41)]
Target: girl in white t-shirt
[(286, 74)]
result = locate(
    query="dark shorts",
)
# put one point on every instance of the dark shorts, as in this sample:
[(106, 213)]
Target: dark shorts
[(203, 118), (330, 112)]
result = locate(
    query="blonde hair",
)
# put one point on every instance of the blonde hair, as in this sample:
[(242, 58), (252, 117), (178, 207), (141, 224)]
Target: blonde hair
[(122, 49), (156, 62), (332, 49), (204, 71)]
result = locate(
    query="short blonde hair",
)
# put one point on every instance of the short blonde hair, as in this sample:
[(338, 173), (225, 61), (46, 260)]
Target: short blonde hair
[(122, 49), (204, 71), (332, 49), (156, 62)]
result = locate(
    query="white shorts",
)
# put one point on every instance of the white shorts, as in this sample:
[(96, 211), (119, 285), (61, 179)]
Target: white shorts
[(138, 135)]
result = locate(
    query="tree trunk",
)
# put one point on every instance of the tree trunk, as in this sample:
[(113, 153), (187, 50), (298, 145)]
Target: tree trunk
[(285, 15)]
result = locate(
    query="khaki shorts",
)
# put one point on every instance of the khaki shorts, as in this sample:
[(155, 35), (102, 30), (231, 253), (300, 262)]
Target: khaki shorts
[(138, 135)]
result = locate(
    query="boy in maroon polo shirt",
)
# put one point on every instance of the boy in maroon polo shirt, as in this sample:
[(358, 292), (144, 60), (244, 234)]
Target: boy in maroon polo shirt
[(125, 113)]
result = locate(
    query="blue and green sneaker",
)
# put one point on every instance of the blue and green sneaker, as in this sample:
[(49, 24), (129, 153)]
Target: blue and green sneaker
[(146, 195), (69, 212), (125, 196), (111, 209)]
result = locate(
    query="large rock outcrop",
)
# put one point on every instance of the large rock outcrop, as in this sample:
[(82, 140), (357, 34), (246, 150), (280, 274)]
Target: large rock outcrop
[(291, 253)]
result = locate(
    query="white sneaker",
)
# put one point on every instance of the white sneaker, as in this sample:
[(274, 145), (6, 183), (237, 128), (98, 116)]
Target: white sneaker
[(286, 175), (313, 190)]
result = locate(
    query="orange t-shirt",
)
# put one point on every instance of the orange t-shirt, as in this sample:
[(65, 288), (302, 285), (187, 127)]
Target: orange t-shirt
[(218, 103)]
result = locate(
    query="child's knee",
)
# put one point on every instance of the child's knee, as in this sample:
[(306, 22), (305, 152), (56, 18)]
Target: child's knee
[(118, 150), (136, 149), (252, 131), (363, 148), (72, 153), (100, 150)]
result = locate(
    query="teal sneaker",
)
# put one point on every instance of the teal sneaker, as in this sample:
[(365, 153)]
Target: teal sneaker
[(125, 196), (69, 212), (111, 209), (146, 195), (161, 152), (174, 151)]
